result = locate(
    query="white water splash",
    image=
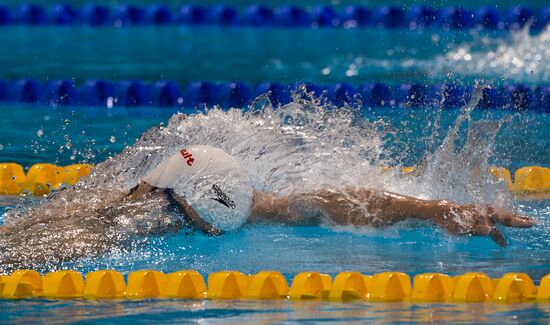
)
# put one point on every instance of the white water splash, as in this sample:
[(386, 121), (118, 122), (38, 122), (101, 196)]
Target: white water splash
[(300, 147), (307, 145), (520, 57), (461, 172)]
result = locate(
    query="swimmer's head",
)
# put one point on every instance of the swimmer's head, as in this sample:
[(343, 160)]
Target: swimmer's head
[(212, 182)]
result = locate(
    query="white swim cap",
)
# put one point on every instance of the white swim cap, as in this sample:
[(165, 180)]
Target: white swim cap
[(211, 181)]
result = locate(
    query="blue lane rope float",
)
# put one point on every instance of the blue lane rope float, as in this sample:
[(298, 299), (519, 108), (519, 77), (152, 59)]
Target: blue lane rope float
[(167, 93), (386, 16)]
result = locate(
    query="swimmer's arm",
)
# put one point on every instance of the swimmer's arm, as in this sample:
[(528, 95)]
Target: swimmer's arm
[(186, 210), (191, 215), (348, 208), (140, 190), (365, 207)]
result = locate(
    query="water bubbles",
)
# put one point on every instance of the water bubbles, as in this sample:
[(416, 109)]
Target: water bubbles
[(112, 139), (353, 69), (110, 102), (1, 146), (67, 121), (40, 133), (352, 72)]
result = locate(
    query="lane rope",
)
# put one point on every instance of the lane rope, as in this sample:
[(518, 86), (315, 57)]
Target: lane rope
[(473, 287), (385, 16), (166, 93), (41, 179)]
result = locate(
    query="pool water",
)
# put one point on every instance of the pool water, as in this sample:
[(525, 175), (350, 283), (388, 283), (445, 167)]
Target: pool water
[(65, 135), (184, 54), (411, 247), (269, 312), (254, 55)]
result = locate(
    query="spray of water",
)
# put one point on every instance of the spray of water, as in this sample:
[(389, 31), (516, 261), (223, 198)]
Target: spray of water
[(303, 146), (457, 168), (520, 56)]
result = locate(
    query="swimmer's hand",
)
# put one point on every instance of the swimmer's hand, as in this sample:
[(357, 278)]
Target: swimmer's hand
[(477, 220)]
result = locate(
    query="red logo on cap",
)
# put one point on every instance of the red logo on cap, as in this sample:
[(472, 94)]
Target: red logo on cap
[(187, 156)]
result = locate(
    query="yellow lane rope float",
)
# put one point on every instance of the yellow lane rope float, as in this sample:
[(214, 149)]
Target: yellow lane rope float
[(40, 179), (346, 286)]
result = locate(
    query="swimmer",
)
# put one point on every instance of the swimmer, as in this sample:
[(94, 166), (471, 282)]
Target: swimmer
[(206, 189), (357, 207)]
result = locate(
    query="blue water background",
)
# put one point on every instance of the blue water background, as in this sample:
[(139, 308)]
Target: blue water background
[(220, 54), (92, 134), (251, 55)]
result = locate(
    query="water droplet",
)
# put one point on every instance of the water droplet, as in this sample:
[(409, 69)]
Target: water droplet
[(110, 102), (67, 121), (112, 139)]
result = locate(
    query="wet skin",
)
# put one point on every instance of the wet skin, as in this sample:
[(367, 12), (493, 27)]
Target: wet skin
[(60, 231), (366, 207), (350, 207)]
